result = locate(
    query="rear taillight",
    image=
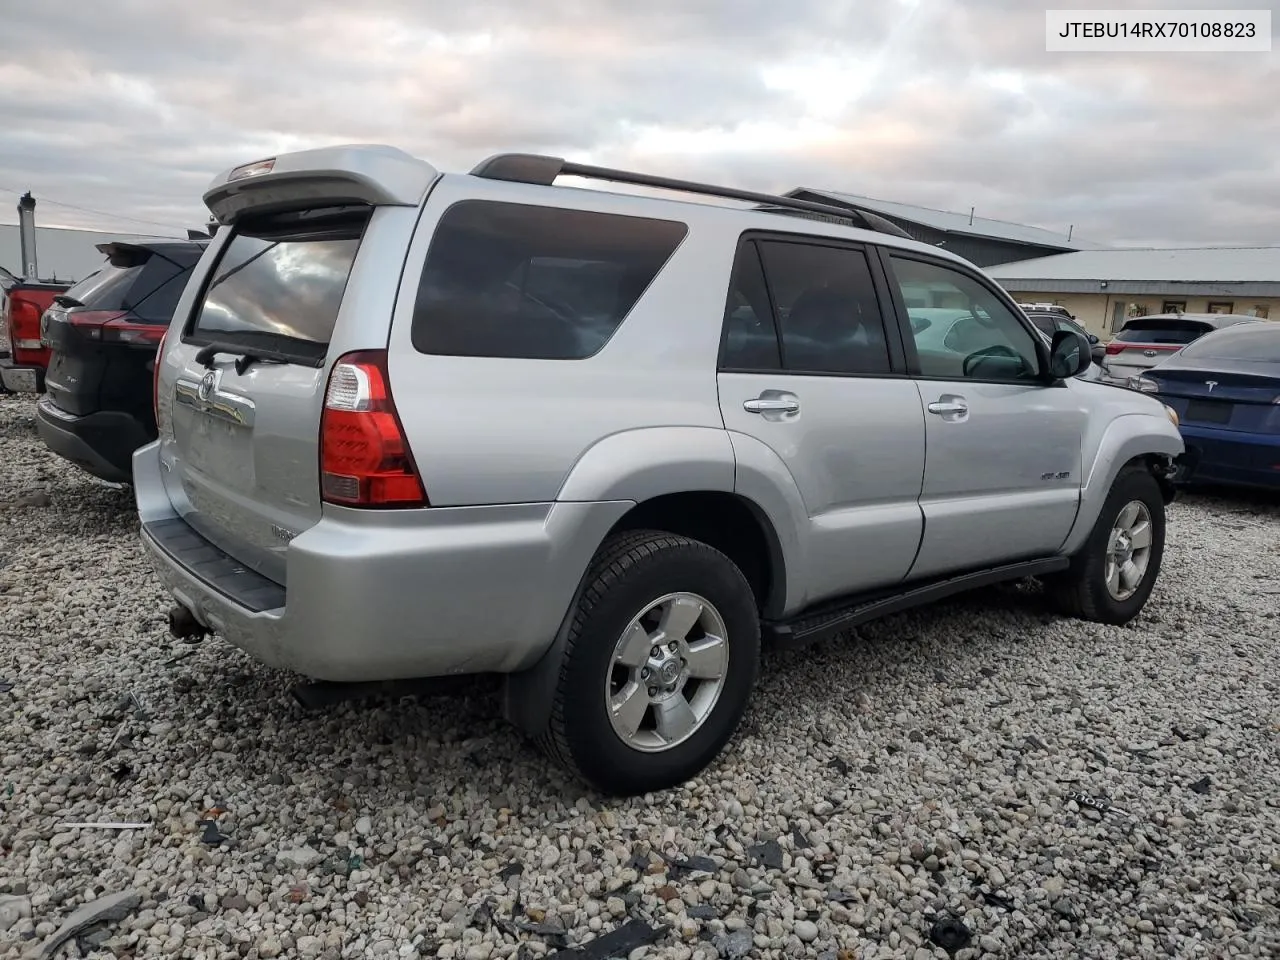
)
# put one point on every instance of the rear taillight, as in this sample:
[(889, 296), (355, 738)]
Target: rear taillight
[(24, 327), (1113, 348), (364, 456), (155, 378), (110, 326)]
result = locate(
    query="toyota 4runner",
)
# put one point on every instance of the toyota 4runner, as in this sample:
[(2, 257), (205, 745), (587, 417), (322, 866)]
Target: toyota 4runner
[(414, 424)]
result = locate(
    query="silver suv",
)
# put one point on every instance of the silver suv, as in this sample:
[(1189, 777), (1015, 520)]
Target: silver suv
[(608, 445)]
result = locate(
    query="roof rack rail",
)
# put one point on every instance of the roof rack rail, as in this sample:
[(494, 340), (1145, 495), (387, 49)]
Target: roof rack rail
[(542, 170)]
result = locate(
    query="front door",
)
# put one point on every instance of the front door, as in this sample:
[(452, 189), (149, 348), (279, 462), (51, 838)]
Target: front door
[(1003, 463), (807, 370)]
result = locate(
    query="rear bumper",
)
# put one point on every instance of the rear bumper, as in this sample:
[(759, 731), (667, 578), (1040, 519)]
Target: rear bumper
[(17, 378), (1230, 457), (101, 443), (387, 594)]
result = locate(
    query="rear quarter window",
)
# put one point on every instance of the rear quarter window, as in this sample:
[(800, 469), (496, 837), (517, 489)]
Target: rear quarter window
[(521, 281)]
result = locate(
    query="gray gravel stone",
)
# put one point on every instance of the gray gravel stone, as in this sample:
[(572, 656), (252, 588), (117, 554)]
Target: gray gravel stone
[(901, 782)]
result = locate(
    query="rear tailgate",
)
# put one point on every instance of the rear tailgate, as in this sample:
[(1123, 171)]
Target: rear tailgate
[(296, 282), (103, 332), (1144, 343)]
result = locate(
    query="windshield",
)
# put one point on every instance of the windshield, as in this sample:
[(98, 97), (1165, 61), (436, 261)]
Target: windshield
[(1260, 343)]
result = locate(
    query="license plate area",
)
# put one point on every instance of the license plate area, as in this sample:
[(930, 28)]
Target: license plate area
[(1209, 411)]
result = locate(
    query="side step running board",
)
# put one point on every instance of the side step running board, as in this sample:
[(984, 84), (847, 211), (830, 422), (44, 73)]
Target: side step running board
[(819, 624)]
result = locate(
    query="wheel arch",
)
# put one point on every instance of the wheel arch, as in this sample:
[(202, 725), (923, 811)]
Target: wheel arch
[(1136, 439)]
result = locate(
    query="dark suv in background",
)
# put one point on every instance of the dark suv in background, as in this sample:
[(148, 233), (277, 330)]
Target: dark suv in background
[(103, 334)]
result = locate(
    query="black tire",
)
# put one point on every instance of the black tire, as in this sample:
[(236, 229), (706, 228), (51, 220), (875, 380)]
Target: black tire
[(629, 572), (1081, 591)]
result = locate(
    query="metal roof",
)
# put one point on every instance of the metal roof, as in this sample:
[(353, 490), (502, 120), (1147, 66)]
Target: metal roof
[(61, 254), (950, 221), (1206, 265)]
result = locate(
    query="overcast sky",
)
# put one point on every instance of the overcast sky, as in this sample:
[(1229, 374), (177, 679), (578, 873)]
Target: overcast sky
[(130, 107)]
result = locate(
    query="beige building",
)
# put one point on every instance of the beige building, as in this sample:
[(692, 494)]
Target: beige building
[(1103, 288)]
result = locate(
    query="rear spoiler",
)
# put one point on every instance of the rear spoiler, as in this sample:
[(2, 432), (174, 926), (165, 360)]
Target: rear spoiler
[(122, 250), (354, 173)]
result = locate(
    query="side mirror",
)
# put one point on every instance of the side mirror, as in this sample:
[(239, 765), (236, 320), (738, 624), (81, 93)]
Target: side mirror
[(1093, 339), (1099, 353), (1069, 356)]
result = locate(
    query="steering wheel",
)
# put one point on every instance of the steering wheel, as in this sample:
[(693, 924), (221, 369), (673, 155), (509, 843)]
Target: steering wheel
[(996, 350)]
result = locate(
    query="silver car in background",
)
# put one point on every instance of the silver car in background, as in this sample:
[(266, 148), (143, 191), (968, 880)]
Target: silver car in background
[(1144, 342)]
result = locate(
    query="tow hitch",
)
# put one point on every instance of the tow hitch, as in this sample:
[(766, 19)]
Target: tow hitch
[(184, 626)]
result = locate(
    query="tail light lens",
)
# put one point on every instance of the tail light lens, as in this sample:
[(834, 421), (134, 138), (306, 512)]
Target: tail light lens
[(155, 378), (364, 456), (24, 330), (110, 326), (1113, 348)]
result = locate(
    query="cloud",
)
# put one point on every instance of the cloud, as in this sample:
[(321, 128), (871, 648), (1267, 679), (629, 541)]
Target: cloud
[(132, 107)]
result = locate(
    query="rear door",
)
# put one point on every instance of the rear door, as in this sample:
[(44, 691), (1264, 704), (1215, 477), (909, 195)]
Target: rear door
[(808, 369), (1003, 448), (240, 422)]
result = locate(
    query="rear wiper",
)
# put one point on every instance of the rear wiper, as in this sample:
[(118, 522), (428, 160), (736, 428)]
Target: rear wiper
[(63, 300), (243, 362)]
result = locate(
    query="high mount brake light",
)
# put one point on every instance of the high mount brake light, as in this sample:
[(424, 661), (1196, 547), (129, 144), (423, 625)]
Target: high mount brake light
[(364, 455)]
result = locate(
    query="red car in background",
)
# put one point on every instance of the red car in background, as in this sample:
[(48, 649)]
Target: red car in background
[(22, 303)]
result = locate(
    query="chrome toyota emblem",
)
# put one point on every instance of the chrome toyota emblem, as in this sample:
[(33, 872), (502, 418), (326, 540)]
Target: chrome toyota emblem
[(1148, 353), (1211, 384), (208, 383)]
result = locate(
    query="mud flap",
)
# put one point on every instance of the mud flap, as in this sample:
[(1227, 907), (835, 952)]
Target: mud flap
[(527, 695)]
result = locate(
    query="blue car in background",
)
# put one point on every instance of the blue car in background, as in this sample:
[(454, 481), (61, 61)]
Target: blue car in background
[(1225, 388)]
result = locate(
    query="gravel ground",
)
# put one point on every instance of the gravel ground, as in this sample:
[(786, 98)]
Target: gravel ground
[(884, 789)]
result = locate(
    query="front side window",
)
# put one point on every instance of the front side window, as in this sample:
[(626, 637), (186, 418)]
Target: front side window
[(977, 337), (522, 281)]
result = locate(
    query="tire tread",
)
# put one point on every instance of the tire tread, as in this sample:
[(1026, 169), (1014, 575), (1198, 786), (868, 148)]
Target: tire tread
[(615, 558), (1073, 593)]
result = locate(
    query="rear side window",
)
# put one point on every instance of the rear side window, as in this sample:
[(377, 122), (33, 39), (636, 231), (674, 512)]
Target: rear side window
[(1044, 323), (1175, 332), (541, 283), (820, 298), (278, 284)]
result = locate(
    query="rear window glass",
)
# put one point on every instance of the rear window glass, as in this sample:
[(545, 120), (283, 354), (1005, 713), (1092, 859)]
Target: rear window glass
[(521, 281), (1260, 344), (279, 283), (106, 288), (1164, 333)]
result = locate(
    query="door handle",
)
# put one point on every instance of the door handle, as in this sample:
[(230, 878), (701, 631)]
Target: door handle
[(771, 405), (950, 407)]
